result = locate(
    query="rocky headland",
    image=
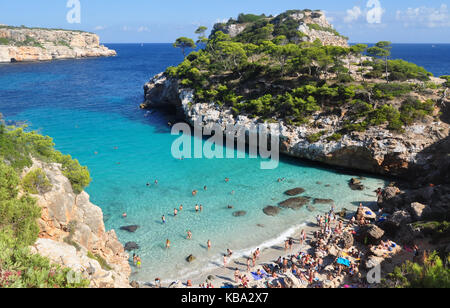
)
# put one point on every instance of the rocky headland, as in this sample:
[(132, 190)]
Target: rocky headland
[(21, 44)]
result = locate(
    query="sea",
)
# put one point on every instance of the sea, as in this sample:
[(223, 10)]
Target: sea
[(90, 107)]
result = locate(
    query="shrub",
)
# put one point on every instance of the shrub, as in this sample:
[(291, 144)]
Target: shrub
[(413, 109), (36, 182), (434, 273), (390, 90), (335, 137), (313, 138)]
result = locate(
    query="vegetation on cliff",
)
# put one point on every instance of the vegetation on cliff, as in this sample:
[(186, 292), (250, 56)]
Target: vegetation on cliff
[(19, 212), (432, 272), (267, 71)]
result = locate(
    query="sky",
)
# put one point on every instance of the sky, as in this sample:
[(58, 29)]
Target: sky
[(162, 21)]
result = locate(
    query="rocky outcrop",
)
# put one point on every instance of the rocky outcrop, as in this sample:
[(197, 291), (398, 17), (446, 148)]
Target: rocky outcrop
[(376, 150), (27, 44), (72, 233), (313, 24)]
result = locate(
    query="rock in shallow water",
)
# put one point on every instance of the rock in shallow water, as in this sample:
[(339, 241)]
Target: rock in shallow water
[(130, 228), (295, 191), (190, 259), (239, 213), (356, 184), (294, 203), (131, 246), (271, 210)]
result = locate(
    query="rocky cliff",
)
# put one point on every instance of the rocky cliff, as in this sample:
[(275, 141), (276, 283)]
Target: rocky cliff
[(30, 44), (72, 233), (377, 150)]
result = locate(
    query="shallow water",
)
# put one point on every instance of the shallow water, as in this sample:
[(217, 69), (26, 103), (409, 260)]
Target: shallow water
[(90, 108)]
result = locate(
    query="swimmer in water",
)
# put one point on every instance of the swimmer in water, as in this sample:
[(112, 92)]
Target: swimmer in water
[(124, 215), (181, 207), (163, 218), (156, 182), (227, 180), (167, 244), (209, 244), (189, 235), (196, 208), (194, 193), (205, 188), (201, 208), (175, 212)]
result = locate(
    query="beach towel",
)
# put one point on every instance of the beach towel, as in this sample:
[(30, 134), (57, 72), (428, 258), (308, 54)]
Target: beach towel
[(343, 262), (263, 275)]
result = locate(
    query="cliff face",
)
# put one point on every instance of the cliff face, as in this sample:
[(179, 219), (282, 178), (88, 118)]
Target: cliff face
[(72, 233), (376, 150), (25, 44)]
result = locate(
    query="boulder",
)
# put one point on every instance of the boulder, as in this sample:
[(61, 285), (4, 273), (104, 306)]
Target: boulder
[(417, 210), (130, 229), (371, 234), (190, 258), (294, 203), (294, 192), (393, 223), (323, 201), (355, 184), (131, 246), (390, 192), (271, 210), (239, 213), (347, 239), (134, 284)]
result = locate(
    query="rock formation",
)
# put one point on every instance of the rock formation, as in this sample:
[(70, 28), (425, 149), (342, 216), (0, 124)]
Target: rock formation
[(72, 233), (32, 44)]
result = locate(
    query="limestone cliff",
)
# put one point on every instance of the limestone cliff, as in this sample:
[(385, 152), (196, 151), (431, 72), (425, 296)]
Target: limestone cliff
[(72, 233), (377, 150), (32, 44)]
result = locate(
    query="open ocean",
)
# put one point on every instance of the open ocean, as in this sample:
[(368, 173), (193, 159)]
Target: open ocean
[(91, 109)]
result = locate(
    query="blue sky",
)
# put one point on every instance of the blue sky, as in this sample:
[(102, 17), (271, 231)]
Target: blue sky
[(116, 21)]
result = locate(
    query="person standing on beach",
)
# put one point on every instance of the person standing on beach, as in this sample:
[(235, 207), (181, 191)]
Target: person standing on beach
[(224, 260), (302, 237), (209, 244), (237, 275), (248, 264)]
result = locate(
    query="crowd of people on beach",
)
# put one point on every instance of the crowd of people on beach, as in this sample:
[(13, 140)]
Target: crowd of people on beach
[(320, 261)]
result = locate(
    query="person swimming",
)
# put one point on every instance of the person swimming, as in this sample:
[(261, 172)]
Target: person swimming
[(189, 235), (209, 244), (181, 207), (196, 208), (124, 215), (175, 212), (163, 218), (167, 244), (194, 193), (227, 180), (205, 188)]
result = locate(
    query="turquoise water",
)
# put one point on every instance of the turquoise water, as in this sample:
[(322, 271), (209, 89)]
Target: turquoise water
[(90, 108)]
